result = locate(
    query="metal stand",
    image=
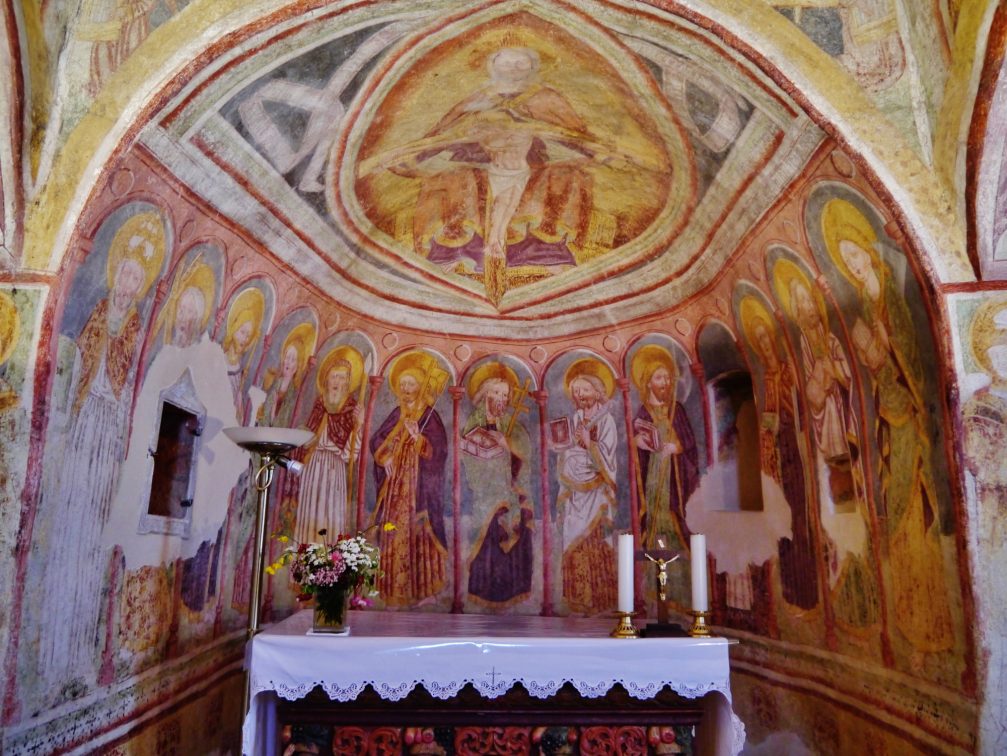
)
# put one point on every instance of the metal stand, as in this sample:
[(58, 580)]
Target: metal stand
[(699, 627), (625, 628)]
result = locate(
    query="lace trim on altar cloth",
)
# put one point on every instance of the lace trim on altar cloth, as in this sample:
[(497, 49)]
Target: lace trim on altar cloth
[(487, 689)]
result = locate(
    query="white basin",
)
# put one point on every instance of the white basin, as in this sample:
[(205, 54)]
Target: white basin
[(264, 439)]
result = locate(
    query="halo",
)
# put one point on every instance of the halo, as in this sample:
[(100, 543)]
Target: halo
[(427, 370), (842, 220), (247, 306), (983, 332), (786, 271), (647, 356), (490, 370), (141, 237), (302, 337), (750, 311), (593, 367), (348, 354), (199, 276), (10, 327)]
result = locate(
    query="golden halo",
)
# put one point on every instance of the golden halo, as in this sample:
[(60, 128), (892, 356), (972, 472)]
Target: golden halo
[(784, 273), (425, 369), (200, 276), (646, 361), (592, 367), (10, 327), (490, 370), (344, 353), (141, 237), (302, 338), (984, 332), (750, 312), (248, 307), (841, 220)]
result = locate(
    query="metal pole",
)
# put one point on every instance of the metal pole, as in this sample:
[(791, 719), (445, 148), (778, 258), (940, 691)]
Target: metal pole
[(263, 479)]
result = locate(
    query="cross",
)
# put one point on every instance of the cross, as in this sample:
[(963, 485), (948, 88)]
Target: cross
[(493, 676), (517, 402)]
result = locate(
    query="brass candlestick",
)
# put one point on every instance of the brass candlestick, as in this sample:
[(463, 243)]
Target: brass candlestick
[(625, 628), (699, 627)]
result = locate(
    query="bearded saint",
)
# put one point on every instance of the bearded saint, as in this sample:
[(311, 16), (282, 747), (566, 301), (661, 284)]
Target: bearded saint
[(335, 419), (410, 450), (587, 498)]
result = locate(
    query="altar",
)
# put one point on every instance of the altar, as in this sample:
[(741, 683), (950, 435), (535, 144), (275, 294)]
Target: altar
[(419, 670)]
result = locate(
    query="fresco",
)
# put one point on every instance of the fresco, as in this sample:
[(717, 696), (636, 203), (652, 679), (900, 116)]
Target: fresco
[(410, 454), (499, 450), (249, 316), (781, 444), (834, 441), (668, 449), (981, 331), (566, 160), (991, 184), (863, 35), (587, 442), (508, 184), (868, 273), (335, 402), (564, 152)]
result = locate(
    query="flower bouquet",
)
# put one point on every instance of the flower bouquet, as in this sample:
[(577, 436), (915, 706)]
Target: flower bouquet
[(338, 575)]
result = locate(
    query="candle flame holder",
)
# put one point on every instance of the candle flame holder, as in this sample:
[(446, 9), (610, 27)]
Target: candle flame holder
[(625, 627), (699, 627)]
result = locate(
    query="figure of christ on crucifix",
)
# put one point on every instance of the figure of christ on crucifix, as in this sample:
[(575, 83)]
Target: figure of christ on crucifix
[(497, 466)]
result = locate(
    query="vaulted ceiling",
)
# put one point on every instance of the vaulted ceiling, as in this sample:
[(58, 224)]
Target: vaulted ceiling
[(379, 148)]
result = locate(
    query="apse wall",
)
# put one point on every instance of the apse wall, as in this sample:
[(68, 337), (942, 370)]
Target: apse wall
[(846, 584)]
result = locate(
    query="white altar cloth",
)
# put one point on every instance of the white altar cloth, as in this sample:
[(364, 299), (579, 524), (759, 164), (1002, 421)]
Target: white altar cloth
[(393, 652)]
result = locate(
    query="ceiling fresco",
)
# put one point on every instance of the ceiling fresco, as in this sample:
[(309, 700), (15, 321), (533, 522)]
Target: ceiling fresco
[(518, 161)]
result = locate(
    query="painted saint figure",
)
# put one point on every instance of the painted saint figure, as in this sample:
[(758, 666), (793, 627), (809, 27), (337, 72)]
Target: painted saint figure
[(277, 410), (244, 323), (986, 410), (94, 449), (780, 455), (10, 329), (828, 391), (884, 338), (410, 450), (496, 461), (665, 448), (336, 419), (587, 498)]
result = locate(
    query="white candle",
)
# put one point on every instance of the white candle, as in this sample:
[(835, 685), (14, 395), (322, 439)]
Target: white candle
[(697, 545), (626, 573)]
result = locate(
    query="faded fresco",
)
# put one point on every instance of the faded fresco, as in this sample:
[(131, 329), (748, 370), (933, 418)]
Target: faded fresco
[(550, 161), (509, 184), (500, 463), (834, 443), (669, 451), (410, 464), (882, 308), (981, 330), (587, 442), (786, 407)]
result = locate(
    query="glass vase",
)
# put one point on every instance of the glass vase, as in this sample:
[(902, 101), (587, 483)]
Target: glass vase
[(330, 609)]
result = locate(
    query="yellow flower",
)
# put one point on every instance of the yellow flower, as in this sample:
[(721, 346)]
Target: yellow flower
[(388, 526)]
